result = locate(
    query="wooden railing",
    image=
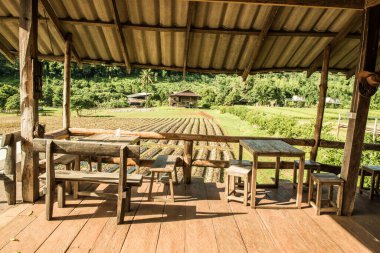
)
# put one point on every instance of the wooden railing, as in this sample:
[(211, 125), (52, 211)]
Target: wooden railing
[(8, 174), (189, 140)]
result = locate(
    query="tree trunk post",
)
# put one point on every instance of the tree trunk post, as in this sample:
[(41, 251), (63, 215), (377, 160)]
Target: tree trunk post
[(321, 103), (67, 83), (187, 161), (360, 107), (30, 75)]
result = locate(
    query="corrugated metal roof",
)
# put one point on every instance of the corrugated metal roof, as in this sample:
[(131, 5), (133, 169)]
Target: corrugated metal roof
[(215, 51), (185, 93)]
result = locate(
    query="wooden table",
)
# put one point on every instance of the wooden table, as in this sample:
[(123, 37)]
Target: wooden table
[(273, 148), (127, 139)]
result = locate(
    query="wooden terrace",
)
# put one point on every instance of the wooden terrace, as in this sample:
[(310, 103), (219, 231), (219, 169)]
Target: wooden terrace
[(199, 221)]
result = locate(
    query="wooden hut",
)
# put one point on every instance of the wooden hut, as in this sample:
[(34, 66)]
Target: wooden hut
[(185, 98), (138, 99), (203, 36)]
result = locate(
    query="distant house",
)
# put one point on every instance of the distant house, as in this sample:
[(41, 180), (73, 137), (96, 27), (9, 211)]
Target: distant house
[(332, 102), (295, 101), (138, 99), (185, 98)]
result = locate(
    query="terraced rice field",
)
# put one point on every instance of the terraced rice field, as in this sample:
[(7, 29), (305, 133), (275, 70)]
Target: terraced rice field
[(202, 149)]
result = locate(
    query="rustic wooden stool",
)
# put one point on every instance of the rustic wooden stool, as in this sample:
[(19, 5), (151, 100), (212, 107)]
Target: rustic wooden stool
[(330, 180), (241, 170), (164, 164), (310, 167), (374, 172)]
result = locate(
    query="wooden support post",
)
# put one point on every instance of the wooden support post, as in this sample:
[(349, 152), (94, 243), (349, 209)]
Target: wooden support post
[(10, 172), (357, 123), (67, 83), (28, 34), (321, 103), (187, 161)]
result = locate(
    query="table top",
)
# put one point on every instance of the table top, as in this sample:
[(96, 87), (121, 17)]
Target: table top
[(271, 148), (112, 138)]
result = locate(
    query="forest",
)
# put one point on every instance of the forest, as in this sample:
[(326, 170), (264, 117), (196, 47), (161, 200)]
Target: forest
[(108, 87)]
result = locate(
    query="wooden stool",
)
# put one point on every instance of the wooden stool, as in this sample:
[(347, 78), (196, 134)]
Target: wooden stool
[(330, 180), (374, 172), (164, 164), (310, 167), (241, 170)]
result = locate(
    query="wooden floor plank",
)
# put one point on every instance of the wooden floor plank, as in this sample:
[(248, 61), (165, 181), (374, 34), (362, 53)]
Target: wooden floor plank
[(68, 229), (112, 236), (32, 237), (200, 233), (172, 232), (10, 213), (145, 227), (227, 232)]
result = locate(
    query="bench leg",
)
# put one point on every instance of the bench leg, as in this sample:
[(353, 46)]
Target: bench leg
[(61, 194), (121, 205), (129, 194), (175, 175), (76, 184), (339, 199), (227, 190), (318, 199), (331, 192), (49, 199), (277, 176), (361, 181), (151, 186), (68, 184), (377, 182), (246, 190), (371, 192), (171, 187), (311, 188)]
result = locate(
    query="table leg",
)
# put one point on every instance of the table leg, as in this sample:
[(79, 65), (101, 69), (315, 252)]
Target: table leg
[(277, 176), (300, 181), (254, 180), (240, 152)]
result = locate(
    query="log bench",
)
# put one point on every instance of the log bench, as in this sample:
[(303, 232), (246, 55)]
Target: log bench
[(374, 172), (58, 178)]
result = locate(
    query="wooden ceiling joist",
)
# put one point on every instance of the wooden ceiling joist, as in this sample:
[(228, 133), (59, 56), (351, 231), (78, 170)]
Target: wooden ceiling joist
[(119, 29), (6, 52), (260, 40), (337, 39), (190, 12), (335, 4), (59, 27)]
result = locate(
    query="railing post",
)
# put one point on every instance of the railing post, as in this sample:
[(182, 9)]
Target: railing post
[(10, 172), (187, 161), (374, 131), (338, 129)]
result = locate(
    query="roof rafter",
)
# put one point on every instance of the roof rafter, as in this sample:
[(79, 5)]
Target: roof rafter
[(337, 4), (338, 38), (59, 27), (190, 12), (5, 52), (119, 29), (259, 41), (248, 32)]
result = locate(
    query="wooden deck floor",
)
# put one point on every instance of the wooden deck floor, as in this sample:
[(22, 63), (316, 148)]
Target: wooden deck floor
[(200, 221)]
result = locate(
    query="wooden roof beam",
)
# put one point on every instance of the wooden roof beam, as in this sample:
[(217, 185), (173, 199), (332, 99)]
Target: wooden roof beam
[(259, 41), (338, 38), (119, 29), (59, 27), (190, 12), (335, 4), (6, 52)]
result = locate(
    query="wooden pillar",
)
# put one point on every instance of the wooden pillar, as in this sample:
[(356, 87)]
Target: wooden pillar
[(29, 76), (361, 102), (321, 103), (10, 171), (187, 161), (67, 83)]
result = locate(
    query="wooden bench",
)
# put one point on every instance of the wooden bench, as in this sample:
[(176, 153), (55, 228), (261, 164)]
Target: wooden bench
[(310, 167), (374, 172), (87, 149), (164, 164), (240, 169)]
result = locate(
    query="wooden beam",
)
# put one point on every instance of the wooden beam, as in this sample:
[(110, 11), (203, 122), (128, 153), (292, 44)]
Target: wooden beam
[(6, 52), (59, 27), (335, 4), (371, 3), (321, 103), (260, 40), (352, 23), (190, 11), (121, 37), (28, 36), (158, 28), (67, 83), (357, 125)]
